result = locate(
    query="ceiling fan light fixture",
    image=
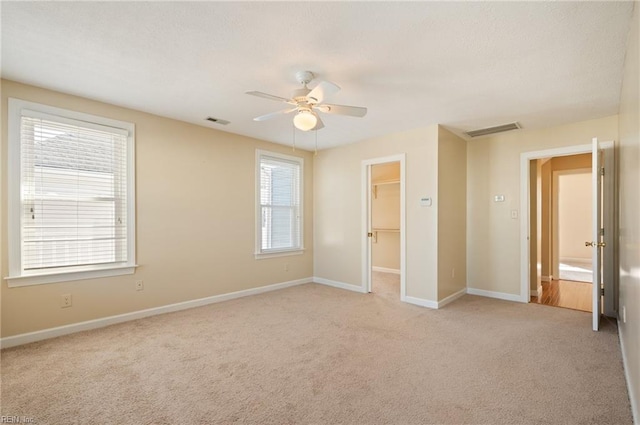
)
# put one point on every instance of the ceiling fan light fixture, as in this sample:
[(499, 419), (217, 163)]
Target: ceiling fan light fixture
[(305, 120)]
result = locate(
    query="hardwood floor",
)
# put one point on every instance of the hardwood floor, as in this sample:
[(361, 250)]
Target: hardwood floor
[(567, 294)]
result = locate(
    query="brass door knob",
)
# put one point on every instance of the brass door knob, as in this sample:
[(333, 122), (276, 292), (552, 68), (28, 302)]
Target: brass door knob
[(598, 244)]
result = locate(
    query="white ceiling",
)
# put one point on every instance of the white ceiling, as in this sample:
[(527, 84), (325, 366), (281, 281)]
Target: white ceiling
[(465, 65)]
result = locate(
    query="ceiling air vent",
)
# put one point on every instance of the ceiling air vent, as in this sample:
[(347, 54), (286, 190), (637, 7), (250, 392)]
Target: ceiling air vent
[(493, 130), (217, 120)]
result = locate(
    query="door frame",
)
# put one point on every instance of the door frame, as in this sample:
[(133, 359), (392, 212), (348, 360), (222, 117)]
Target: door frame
[(609, 261), (366, 192)]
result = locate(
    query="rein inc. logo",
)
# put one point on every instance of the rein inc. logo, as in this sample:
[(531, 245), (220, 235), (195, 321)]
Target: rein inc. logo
[(6, 419)]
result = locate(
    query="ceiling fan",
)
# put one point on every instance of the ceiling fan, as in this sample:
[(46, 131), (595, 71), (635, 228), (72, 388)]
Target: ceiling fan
[(308, 102)]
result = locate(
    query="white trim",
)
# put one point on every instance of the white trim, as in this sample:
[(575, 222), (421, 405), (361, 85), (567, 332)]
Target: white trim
[(420, 301), (451, 298), (366, 219), (12, 341), (67, 276), (525, 157), (576, 260), (497, 295), (546, 278), (272, 254), (632, 396), (17, 276), (339, 285), (533, 293), (385, 270)]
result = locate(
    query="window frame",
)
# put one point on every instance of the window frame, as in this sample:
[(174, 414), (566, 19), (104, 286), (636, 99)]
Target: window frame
[(270, 253), (17, 275)]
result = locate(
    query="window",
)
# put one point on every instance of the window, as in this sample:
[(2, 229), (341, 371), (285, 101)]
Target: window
[(71, 195), (279, 204)]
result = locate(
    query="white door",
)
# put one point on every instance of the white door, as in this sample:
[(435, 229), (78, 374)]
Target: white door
[(596, 238)]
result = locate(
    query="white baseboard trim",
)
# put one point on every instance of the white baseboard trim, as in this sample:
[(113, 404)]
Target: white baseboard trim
[(492, 294), (632, 396), (420, 301), (15, 340), (579, 260), (546, 278), (533, 292), (385, 270), (451, 298), (340, 285)]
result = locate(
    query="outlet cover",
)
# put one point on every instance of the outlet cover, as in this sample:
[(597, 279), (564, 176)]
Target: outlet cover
[(65, 301)]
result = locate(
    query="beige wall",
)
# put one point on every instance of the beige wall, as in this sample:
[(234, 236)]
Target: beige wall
[(629, 189), (385, 215), (574, 215), (452, 213), (562, 165), (338, 209), (493, 168), (195, 206)]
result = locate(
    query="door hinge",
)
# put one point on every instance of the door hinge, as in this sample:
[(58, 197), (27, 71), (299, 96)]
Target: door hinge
[(602, 231), (370, 235), (602, 171), (602, 291)]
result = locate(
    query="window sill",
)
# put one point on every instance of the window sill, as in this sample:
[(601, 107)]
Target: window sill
[(273, 254), (43, 278)]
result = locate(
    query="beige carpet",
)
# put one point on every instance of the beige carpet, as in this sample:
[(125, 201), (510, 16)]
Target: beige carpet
[(318, 355)]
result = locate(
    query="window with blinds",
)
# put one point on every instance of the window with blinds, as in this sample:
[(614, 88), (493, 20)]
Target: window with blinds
[(75, 189), (279, 227)]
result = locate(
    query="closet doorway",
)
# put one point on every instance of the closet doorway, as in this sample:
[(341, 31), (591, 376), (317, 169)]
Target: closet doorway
[(383, 211)]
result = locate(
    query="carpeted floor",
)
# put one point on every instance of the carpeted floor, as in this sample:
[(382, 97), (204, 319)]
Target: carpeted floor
[(312, 354)]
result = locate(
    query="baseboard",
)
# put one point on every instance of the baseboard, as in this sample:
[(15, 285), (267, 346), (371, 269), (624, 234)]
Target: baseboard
[(385, 270), (420, 301), (632, 396), (546, 278), (534, 293), (451, 298), (340, 285), (492, 294), (578, 260), (12, 341)]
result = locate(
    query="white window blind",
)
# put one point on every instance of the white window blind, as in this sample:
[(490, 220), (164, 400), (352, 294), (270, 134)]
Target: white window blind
[(72, 208), (279, 203), (73, 192)]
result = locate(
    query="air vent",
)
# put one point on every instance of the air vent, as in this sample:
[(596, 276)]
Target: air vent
[(217, 120), (493, 130)]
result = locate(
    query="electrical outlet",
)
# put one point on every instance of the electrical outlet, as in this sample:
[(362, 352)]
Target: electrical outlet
[(139, 285), (514, 214), (65, 300), (286, 267), (453, 272)]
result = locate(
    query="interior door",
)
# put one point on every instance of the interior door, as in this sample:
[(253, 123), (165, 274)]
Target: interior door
[(596, 238), (369, 229)]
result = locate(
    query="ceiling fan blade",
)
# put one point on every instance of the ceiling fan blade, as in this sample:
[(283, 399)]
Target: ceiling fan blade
[(268, 96), (274, 114), (322, 90), (353, 111)]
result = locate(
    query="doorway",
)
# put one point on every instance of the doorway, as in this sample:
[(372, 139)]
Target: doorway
[(385, 229), (383, 214), (602, 236), (563, 222)]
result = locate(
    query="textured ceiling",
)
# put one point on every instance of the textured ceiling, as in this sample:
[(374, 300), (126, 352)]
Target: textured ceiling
[(464, 65)]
